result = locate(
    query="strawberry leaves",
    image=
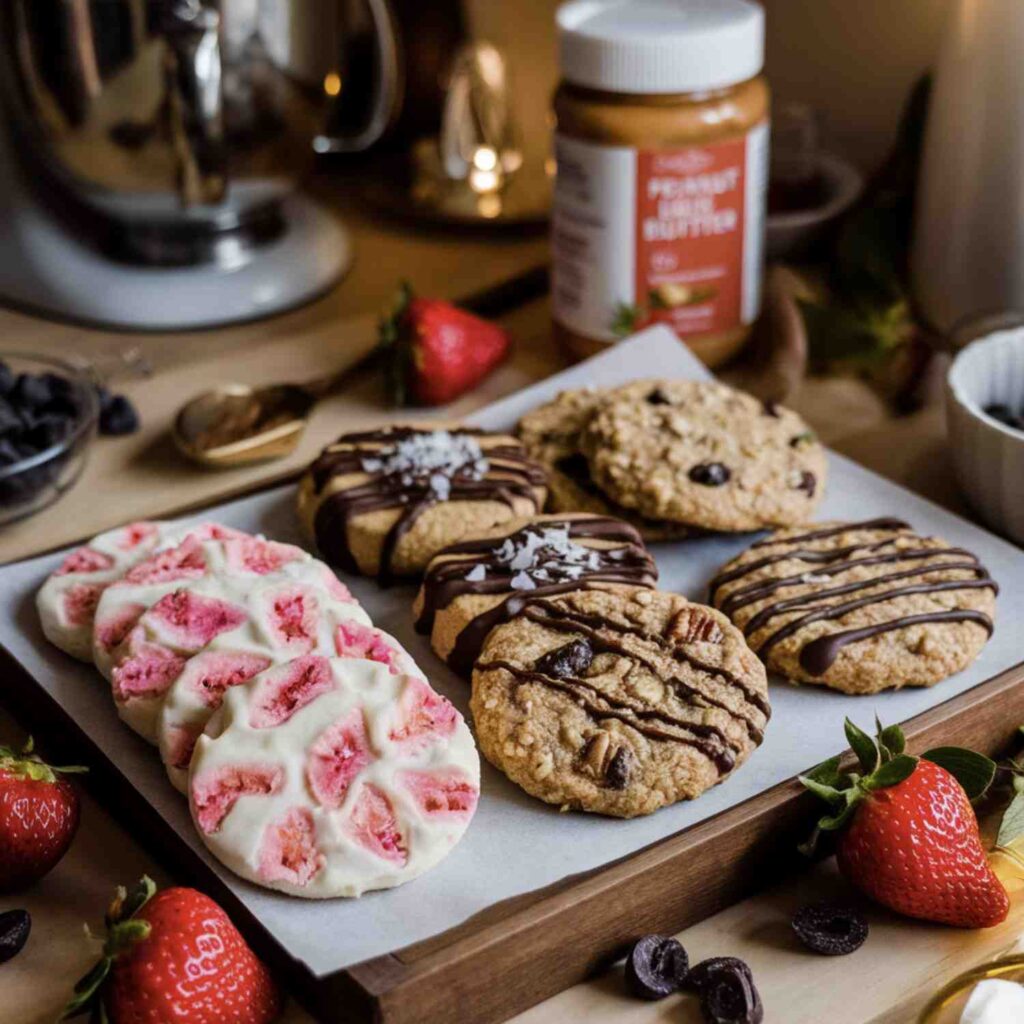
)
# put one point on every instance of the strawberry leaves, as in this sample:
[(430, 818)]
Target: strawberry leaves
[(972, 770), (27, 764)]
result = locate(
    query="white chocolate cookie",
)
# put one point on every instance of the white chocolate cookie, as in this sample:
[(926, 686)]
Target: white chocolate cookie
[(325, 778)]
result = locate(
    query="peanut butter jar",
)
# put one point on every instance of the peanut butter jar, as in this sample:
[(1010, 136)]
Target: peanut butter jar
[(662, 152)]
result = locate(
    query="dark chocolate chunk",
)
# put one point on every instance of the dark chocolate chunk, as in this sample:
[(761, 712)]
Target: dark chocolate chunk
[(771, 408), (808, 483), (617, 775), (30, 391), (577, 469), (14, 928), (9, 419), (656, 967), (831, 929), (658, 397), (119, 417), (48, 431), (571, 659), (9, 455), (6, 378), (703, 973), (730, 997), (710, 474)]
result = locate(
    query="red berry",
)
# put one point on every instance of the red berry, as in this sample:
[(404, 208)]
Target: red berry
[(39, 814)]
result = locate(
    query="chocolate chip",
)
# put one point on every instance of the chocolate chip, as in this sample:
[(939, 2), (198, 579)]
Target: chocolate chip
[(14, 928), (656, 967), (730, 997), (571, 659), (831, 929), (6, 378), (710, 474), (701, 974), (617, 774), (771, 408), (658, 397), (31, 391), (808, 483), (577, 469), (118, 417)]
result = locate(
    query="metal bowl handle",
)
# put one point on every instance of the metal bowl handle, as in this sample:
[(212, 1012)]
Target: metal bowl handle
[(387, 87)]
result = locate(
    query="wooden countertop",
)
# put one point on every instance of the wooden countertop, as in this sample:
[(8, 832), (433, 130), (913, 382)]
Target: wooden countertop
[(884, 982)]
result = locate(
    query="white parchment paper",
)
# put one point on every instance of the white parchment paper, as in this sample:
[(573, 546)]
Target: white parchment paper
[(516, 844)]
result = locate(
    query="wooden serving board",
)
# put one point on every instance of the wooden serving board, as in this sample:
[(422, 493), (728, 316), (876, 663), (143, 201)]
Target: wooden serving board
[(562, 894)]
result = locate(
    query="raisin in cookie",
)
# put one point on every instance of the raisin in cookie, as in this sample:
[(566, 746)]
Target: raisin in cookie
[(475, 585), (551, 435), (859, 607), (618, 702), (384, 502), (701, 453)]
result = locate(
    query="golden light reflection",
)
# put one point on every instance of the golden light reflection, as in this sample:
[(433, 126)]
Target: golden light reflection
[(332, 83)]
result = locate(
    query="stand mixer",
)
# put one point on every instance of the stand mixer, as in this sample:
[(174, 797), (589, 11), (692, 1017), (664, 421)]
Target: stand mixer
[(153, 148)]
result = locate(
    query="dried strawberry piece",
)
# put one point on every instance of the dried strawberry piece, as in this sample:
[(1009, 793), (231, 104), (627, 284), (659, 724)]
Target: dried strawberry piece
[(442, 795), (148, 672), (112, 631), (424, 717), (372, 824), (339, 754), (210, 673), (190, 620), (85, 560), (217, 792), (255, 554), (134, 534), (180, 743), (294, 615), (185, 562), (288, 689), (215, 531), (354, 640), (79, 605), (288, 852)]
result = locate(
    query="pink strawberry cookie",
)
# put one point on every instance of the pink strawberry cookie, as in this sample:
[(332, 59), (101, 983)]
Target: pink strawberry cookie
[(67, 600), (233, 657), (379, 778)]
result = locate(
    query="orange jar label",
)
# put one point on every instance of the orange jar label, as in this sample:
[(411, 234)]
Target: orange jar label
[(672, 236)]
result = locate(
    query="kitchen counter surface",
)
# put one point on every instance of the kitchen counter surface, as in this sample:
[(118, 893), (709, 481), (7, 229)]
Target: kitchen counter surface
[(885, 982)]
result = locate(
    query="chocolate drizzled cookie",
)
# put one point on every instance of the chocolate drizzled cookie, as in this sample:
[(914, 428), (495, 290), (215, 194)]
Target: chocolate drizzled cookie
[(383, 502), (617, 701), (475, 585), (859, 607)]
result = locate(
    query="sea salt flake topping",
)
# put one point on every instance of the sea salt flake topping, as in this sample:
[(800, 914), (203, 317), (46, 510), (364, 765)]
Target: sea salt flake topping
[(434, 458), (546, 555), (477, 574)]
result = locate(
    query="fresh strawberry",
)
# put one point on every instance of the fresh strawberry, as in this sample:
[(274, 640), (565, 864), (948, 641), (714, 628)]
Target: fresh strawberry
[(907, 834), (38, 816), (174, 955), (436, 351)]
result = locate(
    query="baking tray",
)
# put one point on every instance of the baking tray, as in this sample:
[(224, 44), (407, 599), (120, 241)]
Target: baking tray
[(531, 900)]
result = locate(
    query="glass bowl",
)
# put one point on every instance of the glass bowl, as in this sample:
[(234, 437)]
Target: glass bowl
[(39, 479), (947, 1005)]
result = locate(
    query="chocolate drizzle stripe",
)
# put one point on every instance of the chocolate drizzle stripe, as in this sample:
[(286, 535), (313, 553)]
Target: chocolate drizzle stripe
[(762, 588), (562, 620), (648, 723), (885, 523), (770, 611), (821, 613), (820, 654)]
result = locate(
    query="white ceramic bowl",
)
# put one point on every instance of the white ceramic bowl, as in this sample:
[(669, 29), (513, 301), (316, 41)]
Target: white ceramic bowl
[(987, 455)]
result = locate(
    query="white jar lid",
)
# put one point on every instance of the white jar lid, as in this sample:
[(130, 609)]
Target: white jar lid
[(660, 46)]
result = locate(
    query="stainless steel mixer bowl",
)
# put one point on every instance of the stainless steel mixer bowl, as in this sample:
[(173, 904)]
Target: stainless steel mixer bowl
[(172, 127)]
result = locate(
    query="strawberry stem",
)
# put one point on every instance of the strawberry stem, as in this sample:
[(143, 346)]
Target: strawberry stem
[(27, 764)]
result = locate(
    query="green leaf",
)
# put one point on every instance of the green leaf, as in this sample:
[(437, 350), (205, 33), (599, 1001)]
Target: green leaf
[(891, 737), (972, 770), (828, 774), (1012, 826), (86, 990), (863, 746), (892, 772), (836, 821), (827, 793)]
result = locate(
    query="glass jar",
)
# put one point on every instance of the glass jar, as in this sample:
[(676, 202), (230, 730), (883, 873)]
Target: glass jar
[(661, 146)]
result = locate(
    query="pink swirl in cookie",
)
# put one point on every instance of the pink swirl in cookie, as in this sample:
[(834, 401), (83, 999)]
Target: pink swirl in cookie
[(185, 562), (112, 631), (147, 672), (80, 602), (288, 852), (85, 560), (134, 534), (444, 795), (190, 621), (254, 554), (210, 673), (294, 614), (372, 824), (215, 794), (288, 689), (354, 640), (424, 717), (339, 754)]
